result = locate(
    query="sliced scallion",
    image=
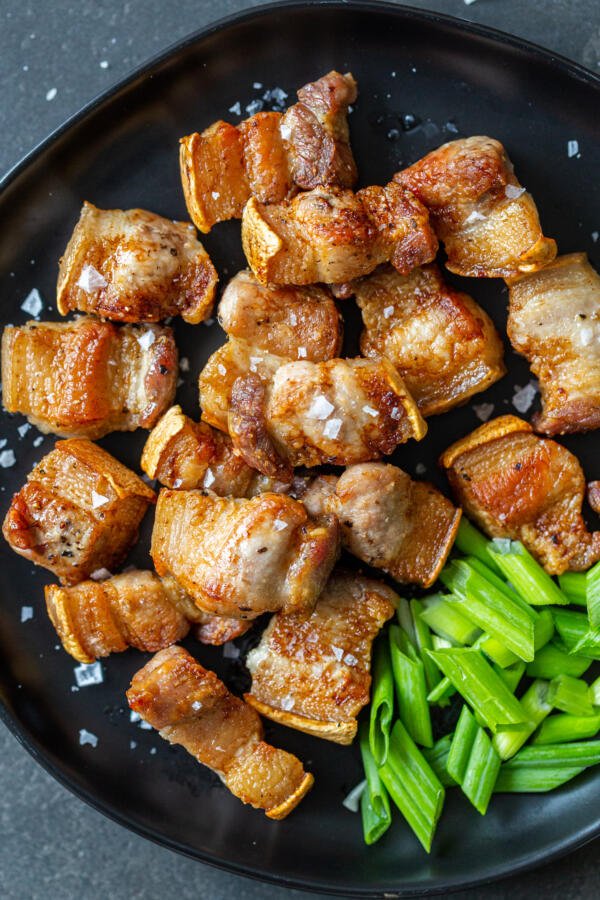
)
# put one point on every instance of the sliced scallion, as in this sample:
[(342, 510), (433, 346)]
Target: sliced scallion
[(472, 761), (374, 802), (382, 703), (411, 689), (529, 579), (562, 728), (536, 707), (570, 695)]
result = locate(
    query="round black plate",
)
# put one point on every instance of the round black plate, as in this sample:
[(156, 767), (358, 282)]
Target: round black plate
[(455, 79)]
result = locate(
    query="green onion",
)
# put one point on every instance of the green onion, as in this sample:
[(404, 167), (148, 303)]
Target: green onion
[(442, 692), (374, 803), (574, 585), (589, 644), (496, 651), (533, 781), (413, 785), (472, 761), (573, 628), (536, 707), (411, 689), (562, 728), (571, 695), (481, 687), (437, 757), (440, 643), (540, 756), (543, 629), (593, 596), (382, 703), (552, 660), (529, 579), (511, 675), (595, 692), (405, 620), (447, 621), (490, 609), (472, 542), (424, 642)]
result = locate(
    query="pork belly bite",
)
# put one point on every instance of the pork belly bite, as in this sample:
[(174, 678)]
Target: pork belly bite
[(270, 155), (554, 321), (79, 511), (332, 235), (87, 377), (517, 485), (341, 412), (242, 558), (134, 266), (488, 223), (190, 706), (313, 672), (403, 527), (444, 345)]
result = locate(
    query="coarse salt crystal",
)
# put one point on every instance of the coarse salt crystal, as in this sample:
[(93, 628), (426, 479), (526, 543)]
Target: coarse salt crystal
[(483, 411), (523, 397), (395, 413), (337, 652), (474, 217), (87, 737), (257, 85), (104, 64), (209, 478), (208, 322), (134, 716), (572, 148), (152, 751), (51, 94), (469, 2), (132, 745), (420, 468), (146, 339), (23, 429), (293, 318), (370, 411), (221, 369), (196, 705), (512, 191), (254, 362), (88, 674), (91, 280), (3, 442), (215, 195), (99, 500), (279, 525), (595, 236), (254, 107), (320, 408), (100, 574), (236, 108), (332, 428), (388, 311), (285, 131), (184, 364), (33, 303), (145, 726), (7, 459), (26, 613), (350, 659), (230, 651), (287, 703), (586, 336), (301, 352), (38, 440), (352, 801)]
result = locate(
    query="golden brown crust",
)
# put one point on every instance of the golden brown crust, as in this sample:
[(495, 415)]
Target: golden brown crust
[(190, 706), (554, 321), (249, 431), (443, 344), (338, 732), (515, 484), (488, 223), (134, 266), (79, 511), (87, 378)]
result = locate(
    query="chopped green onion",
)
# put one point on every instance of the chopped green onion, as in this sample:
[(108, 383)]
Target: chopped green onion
[(405, 620), (562, 728), (511, 675), (374, 802), (571, 695), (589, 644), (447, 621), (536, 707), (496, 651), (413, 785), (540, 756), (552, 660), (573, 585), (593, 596), (472, 761), (437, 757), (533, 781), (543, 629), (472, 542), (500, 584), (573, 628), (424, 642), (382, 703), (492, 610), (440, 643), (529, 579), (481, 687), (411, 689), (595, 692), (442, 692)]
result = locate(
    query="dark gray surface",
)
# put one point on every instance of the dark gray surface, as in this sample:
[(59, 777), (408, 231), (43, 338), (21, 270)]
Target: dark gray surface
[(51, 844)]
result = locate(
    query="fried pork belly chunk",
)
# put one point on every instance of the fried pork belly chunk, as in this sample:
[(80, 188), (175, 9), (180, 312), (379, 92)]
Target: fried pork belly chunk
[(190, 706), (312, 672), (87, 377), (134, 266), (554, 321), (78, 512), (404, 527), (341, 412), (488, 223), (270, 155), (517, 485), (332, 235), (444, 345), (241, 558)]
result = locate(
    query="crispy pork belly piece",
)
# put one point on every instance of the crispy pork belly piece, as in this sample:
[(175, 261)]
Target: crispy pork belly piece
[(332, 235), (134, 266), (269, 156), (312, 672), (241, 558), (488, 223), (78, 512), (341, 412), (517, 485), (554, 321), (444, 345), (404, 527), (190, 706), (87, 377)]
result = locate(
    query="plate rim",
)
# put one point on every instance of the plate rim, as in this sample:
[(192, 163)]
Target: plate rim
[(24, 738)]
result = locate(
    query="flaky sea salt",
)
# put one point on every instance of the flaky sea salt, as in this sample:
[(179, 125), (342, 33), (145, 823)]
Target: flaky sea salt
[(350, 659), (132, 745), (337, 652), (87, 737), (7, 459), (320, 408), (100, 574), (301, 352), (145, 726), (285, 131), (3, 442), (221, 369), (146, 339), (474, 217), (420, 468), (483, 411), (23, 429), (230, 651), (26, 613), (51, 94), (586, 336), (184, 364), (388, 311), (236, 109), (280, 525), (523, 397), (293, 319), (352, 801), (33, 303), (257, 85), (134, 716), (215, 195), (104, 64), (99, 500), (196, 705), (287, 703), (572, 148), (88, 674), (331, 429), (395, 414), (38, 440), (595, 236), (209, 478), (91, 280), (254, 107), (511, 191), (255, 361), (370, 411)]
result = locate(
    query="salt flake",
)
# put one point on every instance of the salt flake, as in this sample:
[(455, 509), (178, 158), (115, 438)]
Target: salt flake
[(420, 468), (91, 280), (209, 478), (196, 705), (26, 613), (395, 413), (146, 339), (38, 440), (87, 737), (511, 191), (23, 429), (33, 303), (88, 674), (483, 411), (524, 397), (254, 107), (572, 148), (236, 109), (474, 217), (301, 352), (184, 364), (279, 525), (7, 459), (293, 318), (337, 652), (287, 703), (230, 651), (595, 236), (51, 94), (370, 411), (332, 428), (215, 195), (221, 369), (320, 408), (99, 500), (388, 311), (350, 659), (100, 574)]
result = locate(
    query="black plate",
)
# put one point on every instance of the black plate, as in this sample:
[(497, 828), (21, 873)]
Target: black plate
[(456, 79)]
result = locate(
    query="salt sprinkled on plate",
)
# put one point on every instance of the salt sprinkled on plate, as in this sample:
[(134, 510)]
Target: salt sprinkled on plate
[(595, 236), (7, 459), (523, 397), (26, 613), (184, 364), (257, 85), (145, 726), (287, 703), (511, 191), (51, 94), (87, 737), (209, 478), (91, 280), (332, 428), (152, 751), (38, 440), (23, 429), (572, 148), (98, 500), (132, 745), (420, 468), (88, 674), (285, 131), (100, 574), (483, 411), (301, 352), (236, 109), (320, 408), (146, 339), (254, 107), (33, 303), (279, 525), (352, 801), (134, 716), (208, 322), (230, 651), (370, 411), (469, 2), (388, 311), (3, 442), (196, 705), (104, 64)]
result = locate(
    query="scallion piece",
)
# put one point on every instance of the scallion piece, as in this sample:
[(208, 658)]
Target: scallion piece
[(511, 675), (472, 761), (441, 693), (481, 687), (446, 620), (382, 703), (492, 610), (536, 707), (562, 728), (595, 692), (413, 785), (593, 596), (405, 620), (573, 628), (589, 644), (437, 757), (550, 756), (499, 583), (374, 802), (529, 579), (574, 585), (543, 629), (553, 660), (424, 642), (411, 689), (472, 542), (570, 695), (533, 781)]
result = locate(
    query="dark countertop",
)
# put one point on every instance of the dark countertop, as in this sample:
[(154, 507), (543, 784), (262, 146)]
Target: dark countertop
[(54, 57)]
